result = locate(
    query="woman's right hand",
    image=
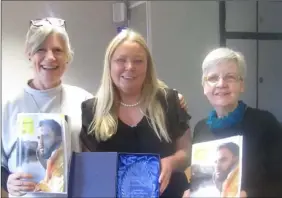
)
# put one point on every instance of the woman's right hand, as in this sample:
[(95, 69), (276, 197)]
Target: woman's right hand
[(17, 186)]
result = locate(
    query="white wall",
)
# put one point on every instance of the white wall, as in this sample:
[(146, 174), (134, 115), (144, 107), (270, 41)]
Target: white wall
[(182, 34), (90, 27)]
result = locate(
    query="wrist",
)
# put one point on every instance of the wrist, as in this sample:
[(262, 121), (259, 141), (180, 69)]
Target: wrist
[(173, 162)]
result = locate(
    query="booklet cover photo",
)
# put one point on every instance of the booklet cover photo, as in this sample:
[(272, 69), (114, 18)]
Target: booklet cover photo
[(216, 168), (41, 150)]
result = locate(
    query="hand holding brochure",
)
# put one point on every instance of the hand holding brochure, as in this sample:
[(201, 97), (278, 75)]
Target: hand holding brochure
[(41, 150)]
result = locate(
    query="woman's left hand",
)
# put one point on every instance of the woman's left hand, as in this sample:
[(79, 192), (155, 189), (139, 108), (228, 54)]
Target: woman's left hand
[(166, 171)]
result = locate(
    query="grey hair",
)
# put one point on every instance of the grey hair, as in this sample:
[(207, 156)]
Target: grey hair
[(36, 36), (219, 55)]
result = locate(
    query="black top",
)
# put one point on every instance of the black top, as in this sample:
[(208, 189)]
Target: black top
[(142, 139), (262, 147)]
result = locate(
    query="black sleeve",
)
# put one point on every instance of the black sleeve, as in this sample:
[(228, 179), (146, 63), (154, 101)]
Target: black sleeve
[(178, 118), (4, 177), (87, 140), (198, 129), (273, 159)]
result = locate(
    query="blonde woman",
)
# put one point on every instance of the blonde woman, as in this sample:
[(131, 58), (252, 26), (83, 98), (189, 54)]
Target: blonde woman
[(134, 112), (49, 51)]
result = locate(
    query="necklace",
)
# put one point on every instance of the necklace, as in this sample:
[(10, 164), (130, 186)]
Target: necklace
[(130, 105)]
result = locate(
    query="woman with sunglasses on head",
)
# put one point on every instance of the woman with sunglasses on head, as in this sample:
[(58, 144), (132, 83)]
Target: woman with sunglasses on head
[(223, 82), (49, 51)]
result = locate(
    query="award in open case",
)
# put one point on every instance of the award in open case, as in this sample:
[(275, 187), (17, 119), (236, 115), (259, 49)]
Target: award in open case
[(112, 174), (42, 150), (216, 168)]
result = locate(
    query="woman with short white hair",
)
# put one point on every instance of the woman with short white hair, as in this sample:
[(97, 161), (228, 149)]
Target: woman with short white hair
[(223, 80), (49, 51)]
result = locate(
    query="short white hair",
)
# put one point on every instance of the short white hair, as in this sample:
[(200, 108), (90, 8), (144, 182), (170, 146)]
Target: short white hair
[(219, 55), (36, 36)]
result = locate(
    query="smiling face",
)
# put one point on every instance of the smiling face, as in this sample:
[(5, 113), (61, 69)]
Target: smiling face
[(129, 67), (50, 60), (223, 84)]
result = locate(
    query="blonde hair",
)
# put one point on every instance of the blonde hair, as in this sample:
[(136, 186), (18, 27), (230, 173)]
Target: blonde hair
[(224, 54), (36, 36), (105, 120)]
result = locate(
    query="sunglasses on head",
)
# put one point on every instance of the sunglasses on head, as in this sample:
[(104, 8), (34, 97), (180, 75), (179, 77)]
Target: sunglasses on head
[(48, 21)]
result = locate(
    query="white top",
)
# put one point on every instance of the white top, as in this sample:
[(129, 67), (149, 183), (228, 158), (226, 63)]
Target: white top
[(64, 99)]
